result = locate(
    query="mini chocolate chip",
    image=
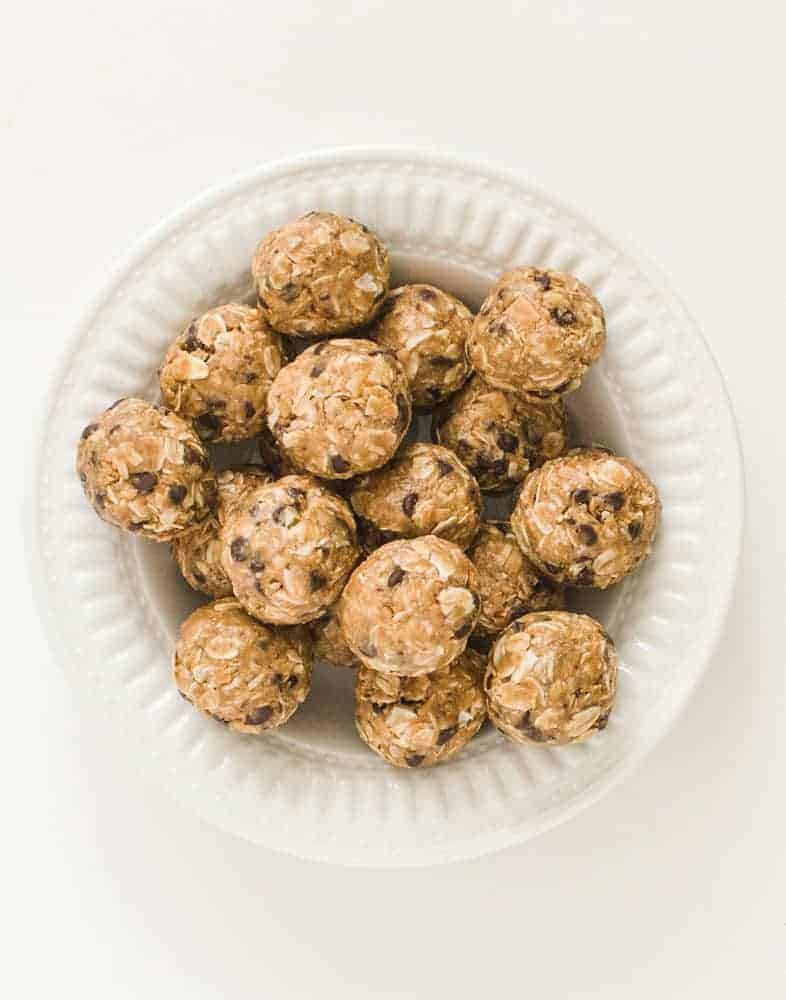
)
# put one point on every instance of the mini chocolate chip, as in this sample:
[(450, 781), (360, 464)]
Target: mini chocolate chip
[(177, 494), (250, 377), (396, 577), (256, 565), (542, 279), (259, 715), (404, 413), (239, 549), (136, 525), (564, 317), (208, 425), (339, 464), (316, 580), (292, 681), (427, 294), (296, 493), (249, 410), (217, 404), (615, 500), (435, 392), (587, 534), (408, 504), (581, 496), (508, 442), (445, 468), (90, 429), (541, 587), (411, 702), (376, 707), (194, 457), (191, 342), (446, 735), (440, 361), (463, 448), (288, 292), (475, 599), (143, 482), (465, 629), (585, 577), (83, 478), (602, 721), (551, 568), (100, 500), (279, 513), (414, 759), (316, 371), (517, 627), (634, 529)]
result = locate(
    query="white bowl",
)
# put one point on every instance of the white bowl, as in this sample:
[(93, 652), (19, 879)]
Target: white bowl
[(112, 603)]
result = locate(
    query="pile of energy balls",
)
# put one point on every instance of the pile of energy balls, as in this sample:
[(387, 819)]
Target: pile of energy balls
[(359, 546)]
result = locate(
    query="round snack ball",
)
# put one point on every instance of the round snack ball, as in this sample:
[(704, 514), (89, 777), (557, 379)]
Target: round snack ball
[(198, 553), (420, 721), (510, 586), (219, 370), (500, 436), (427, 329), (241, 672), (551, 678), (587, 519), (144, 469), (341, 408), (537, 331), (425, 490), (329, 642), (321, 274), (409, 608), (288, 549)]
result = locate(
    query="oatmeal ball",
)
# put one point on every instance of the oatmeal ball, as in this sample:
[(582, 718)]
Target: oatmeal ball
[(288, 549), (427, 329), (551, 678), (510, 586), (500, 436), (588, 518), (321, 274), (198, 553), (219, 370), (246, 674), (425, 490), (329, 642), (144, 469), (341, 408), (538, 331), (409, 608), (420, 721)]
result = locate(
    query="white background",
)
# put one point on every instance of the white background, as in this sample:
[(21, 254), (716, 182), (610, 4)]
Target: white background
[(664, 122)]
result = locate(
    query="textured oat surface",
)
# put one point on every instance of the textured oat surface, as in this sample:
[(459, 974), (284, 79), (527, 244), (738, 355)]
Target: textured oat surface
[(587, 518), (321, 274), (551, 678), (510, 586), (341, 408), (219, 370), (500, 436), (537, 331), (329, 642), (410, 606), (427, 329), (198, 553), (425, 490), (420, 721), (288, 548), (241, 672), (144, 469)]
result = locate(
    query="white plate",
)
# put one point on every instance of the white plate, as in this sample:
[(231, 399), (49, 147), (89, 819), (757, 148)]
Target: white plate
[(113, 603)]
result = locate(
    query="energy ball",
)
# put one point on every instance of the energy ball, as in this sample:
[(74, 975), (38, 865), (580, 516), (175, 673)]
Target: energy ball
[(420, 721), (144, 469), (409, 608), (587, 519), (245, 674), (425, 490), (537, 331), (288, 549), (329, 642), (427, 329), (341, 408), (510, 586), (551, 678), (320, 275), (500, 436), (198, 553)]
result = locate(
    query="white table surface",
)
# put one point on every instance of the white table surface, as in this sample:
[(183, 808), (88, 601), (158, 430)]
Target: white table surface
[(662, 121)]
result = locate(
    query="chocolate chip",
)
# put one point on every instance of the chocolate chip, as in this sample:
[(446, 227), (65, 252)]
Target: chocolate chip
[(517, 627), (279, 514), (100, 500), (143, 482), (585, 577), (587, 534), (435, 392), (564, 317), (408, 504), (445, 468), (208, 425), (249, 410), (292, 681), (296, 493), (446, 735), (177, 494), (427, 294), (239, 549), (551, 568), (217, 404), (191, 342), (316, 371), (404, 412), (316, 580), (289, 292), (615, 500), (581, 496), (414, 759), (541, 587), (194, 457), (259, 715), (136, 525), (634, 529), (542, 279), (396, 577), (463, 448), (339, 464), (465, 629), (508, 442), (256, 565), (440, 361), (250, 377), (89, 430)]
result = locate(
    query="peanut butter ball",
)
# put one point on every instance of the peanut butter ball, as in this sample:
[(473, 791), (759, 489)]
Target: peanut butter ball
[(320, 275), (427, 329), (409, 608), (288, 549), (425, 490), (587, 519), (144, 469), (219, 370), (243, 673), (341, 408), (551, 678), (423, 720), (500, 436), (537, 331)]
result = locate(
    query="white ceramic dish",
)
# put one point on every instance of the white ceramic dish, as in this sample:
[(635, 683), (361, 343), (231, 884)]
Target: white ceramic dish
[(112, 603)]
